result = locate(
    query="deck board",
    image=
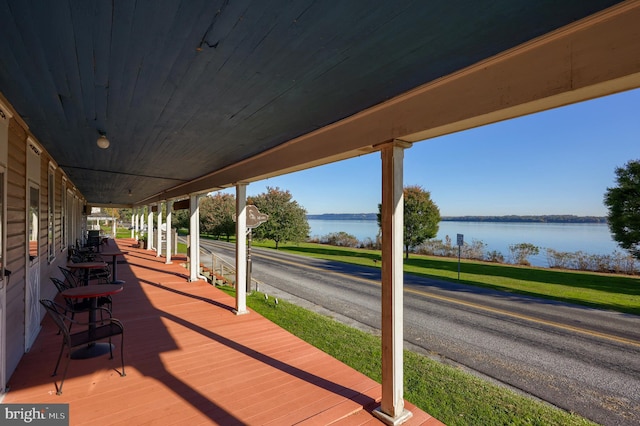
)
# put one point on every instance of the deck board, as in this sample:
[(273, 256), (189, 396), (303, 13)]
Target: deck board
[(190, 360)]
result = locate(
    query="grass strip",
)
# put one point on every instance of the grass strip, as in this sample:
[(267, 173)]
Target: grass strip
[(613, 292), (453, 396)]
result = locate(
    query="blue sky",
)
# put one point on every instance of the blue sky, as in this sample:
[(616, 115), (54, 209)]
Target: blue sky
[(555, 162)]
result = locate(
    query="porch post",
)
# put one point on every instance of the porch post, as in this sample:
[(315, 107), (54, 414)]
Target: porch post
[(194, 238), (159, 238), (134, 228), (241, 249), (149, 228), (136, 233), (169, 232), (141, 227), (391, 410)]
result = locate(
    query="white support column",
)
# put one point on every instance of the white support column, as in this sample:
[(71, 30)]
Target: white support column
[(159, 237), (241, 249), (134, 223), (149, 228), (140, 221), (169, 232), (391, 410), (194, 238)]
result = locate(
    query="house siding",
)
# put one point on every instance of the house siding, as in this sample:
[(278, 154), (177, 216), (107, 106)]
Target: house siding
[(16, 245), (16, 258)]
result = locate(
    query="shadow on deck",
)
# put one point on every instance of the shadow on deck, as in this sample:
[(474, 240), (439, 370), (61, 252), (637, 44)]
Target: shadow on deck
[(191, 360)]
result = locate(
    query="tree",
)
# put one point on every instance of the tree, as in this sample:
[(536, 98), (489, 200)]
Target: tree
[(207, 217), (223, 209), (112, 212), (115, 217), (287, 219), (181, 219), (623, 202), (421, 217)]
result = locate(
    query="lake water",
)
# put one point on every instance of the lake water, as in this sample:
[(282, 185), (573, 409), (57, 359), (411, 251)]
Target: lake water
[(566, 237)]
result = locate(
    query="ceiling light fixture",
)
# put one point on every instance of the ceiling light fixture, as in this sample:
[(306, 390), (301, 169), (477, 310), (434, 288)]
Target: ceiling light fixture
[(102, 141), (130, 194)]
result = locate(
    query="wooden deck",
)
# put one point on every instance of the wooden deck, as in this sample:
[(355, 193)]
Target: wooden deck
[(190, 360)]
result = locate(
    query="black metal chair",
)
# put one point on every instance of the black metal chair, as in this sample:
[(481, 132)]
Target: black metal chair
[(110, 327), (103, 275), (69, 277), (71, 306), (74, 306)]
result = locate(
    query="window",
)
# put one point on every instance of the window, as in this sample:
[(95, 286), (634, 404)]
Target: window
[(34, 214)]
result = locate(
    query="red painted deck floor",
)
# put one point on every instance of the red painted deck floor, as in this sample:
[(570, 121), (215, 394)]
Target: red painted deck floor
[(190, 360)]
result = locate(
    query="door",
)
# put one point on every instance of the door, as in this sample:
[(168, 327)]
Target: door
[(32, 292), (32, 285), (4, 272), (4, 278)]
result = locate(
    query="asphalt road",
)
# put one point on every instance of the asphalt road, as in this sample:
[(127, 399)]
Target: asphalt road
[(580, 359)]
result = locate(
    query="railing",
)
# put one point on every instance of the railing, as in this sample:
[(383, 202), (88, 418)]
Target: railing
[(218, 271)]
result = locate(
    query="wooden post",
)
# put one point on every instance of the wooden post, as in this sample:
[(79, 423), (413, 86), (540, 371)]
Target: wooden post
[(159, 236), (149, 228), (241, 249), (391, 410), (194, 241), (134, 223), (169, 232)]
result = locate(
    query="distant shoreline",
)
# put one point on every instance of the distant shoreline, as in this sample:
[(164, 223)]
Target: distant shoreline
[(509, 218)]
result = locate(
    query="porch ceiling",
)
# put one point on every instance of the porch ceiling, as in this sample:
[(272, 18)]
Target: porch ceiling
[(186, 89)]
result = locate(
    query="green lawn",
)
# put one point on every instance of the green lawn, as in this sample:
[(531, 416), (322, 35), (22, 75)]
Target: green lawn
[(605, 291), (447, 393)]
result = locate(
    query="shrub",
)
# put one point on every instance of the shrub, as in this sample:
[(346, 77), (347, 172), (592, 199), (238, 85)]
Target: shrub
[(520, 253), (475, 250), (341, 239), (495, 256), (558, 259)]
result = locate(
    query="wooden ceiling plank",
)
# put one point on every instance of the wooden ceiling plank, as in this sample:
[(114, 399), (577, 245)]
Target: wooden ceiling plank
[(157, 95), (72, 102), (102, 30), (13, 53), (118, 61), (137, 48), (53, 45), (82, 16), (159, 52)]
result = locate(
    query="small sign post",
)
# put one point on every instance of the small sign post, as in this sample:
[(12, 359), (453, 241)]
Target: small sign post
[(254, 219), (460, 244)]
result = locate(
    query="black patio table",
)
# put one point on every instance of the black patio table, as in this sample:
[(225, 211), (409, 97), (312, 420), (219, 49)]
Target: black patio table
[(114, 270), (86, 266)]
